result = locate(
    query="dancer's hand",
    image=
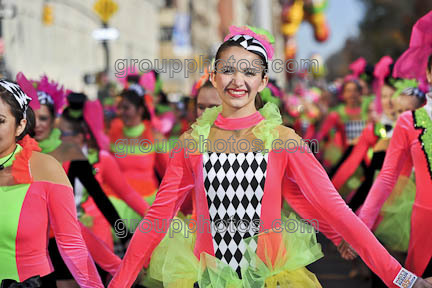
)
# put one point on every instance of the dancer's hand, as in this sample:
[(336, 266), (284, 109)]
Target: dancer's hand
[(346, 251), (141, 276), (423, 283)]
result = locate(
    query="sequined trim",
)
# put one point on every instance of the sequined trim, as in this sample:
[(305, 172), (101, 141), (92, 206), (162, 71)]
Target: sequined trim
[(423, 121)]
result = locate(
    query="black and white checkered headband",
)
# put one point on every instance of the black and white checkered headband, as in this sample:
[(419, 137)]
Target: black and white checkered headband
[(251, 44), (413, 91), (44, 98), (138, 89), (21, 97)]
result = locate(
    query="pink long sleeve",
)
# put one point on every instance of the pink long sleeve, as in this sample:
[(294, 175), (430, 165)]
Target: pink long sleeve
[(294, 197), (114, 178), (178, 180), (397, 154), (100, 252), (366, 140), (161, 163), (330, 122), (313, 181), (67, 231)]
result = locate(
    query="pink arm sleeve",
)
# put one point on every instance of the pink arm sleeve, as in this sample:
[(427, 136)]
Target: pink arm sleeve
[(366, 140), (115, 179), (305, 170), (330, 122), (294, 197), (407, 168), (162, 160), (67, 231), (178, 180), (396, 155), (101, 254)]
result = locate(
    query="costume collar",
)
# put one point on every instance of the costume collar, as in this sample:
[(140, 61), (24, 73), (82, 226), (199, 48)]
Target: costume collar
[(10, 161), (52, 142), (133, 132), (238, 123)]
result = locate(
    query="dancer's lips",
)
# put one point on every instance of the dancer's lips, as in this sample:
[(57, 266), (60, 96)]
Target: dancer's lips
[(237, 93)]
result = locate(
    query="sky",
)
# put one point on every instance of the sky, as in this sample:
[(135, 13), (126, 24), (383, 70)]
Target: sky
[(343, 18)]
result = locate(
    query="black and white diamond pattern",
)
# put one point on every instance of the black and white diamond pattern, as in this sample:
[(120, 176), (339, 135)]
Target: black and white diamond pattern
[(234, 185), (44, 98), (17, 92), (251, 44), (354, 128)]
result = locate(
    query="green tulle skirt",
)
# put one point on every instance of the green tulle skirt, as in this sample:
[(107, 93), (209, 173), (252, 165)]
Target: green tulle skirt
[(273, 259), (394, 229)]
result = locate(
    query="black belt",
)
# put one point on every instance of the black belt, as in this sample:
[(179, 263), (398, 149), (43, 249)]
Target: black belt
[(33, 282)]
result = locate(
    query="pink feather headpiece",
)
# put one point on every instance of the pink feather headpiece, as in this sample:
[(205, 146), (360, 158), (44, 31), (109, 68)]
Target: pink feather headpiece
[(381, 71), (412, 63), (146, 80), (94, 117), (358, 67), (28, 88), (54, 90)]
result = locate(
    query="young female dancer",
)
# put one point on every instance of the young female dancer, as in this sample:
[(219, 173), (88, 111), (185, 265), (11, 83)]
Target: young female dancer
[(411, 141), (130, 136), (234, 184), (35, 196), (377, 136), (207, 97), (349, 120)]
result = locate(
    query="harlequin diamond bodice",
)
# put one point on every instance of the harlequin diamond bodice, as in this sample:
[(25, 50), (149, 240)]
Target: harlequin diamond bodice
[(234, 185)]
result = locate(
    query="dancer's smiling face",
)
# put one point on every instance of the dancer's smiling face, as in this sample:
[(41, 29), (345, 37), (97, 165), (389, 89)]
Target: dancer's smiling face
[(238, 84), (9, 128), (386, 103), (44, 123)]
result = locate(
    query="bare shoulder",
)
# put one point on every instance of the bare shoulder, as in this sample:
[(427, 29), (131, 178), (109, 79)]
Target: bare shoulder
[(46, 168), (187, 135), (286, 134)]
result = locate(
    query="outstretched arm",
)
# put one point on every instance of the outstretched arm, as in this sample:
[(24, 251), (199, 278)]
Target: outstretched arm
[(366, 140), (295, 198), (114, 178), (177, 182), (64, 223), (101, 253), (330, 122), (397, 156), (84, 172), (313, 181)]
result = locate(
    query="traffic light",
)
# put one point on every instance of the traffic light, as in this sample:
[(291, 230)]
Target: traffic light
[(47, 15)]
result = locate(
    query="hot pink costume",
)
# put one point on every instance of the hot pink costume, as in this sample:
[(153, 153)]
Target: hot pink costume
[(411, 140), (309, 190)]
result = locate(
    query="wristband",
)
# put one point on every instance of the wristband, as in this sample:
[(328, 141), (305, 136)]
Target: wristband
[(405, 279)]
